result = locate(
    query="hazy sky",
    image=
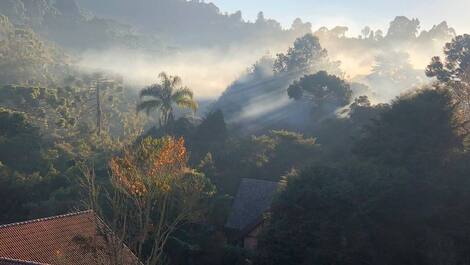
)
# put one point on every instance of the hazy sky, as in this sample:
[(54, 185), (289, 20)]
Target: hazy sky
[(355, 14)]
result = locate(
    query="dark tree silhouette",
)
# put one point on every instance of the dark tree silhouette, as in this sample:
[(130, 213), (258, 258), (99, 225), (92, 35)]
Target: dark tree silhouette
[(456, 66), (326, 92), (306, 52), (403, 28)]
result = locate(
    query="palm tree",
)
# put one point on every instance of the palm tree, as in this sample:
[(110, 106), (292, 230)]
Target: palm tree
[(164, 96)]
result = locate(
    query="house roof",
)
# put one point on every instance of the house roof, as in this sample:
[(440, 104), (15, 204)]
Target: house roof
[(7, 261), (74, 239), (254, 197)]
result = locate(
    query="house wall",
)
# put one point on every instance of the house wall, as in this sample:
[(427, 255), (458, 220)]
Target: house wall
[(250, 241)]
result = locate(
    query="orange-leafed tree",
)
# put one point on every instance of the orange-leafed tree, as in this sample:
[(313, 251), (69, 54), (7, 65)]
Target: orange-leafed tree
[(155, 192)]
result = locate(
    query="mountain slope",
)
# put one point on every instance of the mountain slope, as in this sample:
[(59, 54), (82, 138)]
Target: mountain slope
[(193, 23), (64, 22)]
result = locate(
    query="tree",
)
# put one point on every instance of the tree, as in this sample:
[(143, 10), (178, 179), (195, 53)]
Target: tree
[(339, 31), (20, 142), (454, 73), (25, 58), (260, 18), (457, 61), (418, 132), (164, 96), (153, 193), (272, 155), (393, 74), (299, 26), (326, 92), (306, 53), (399, 201), (366, 31), (361, 213), (403, 28), (336, 133), (379, 35), (31, 183), (209, 137), (317, 219), (441, 31)]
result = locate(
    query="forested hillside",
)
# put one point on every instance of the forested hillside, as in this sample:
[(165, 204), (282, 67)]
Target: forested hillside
[(25, 58), (70, 26), (203, 24)]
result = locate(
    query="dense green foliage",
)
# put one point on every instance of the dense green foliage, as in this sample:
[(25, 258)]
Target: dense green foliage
[(326, 92), (397, 202), (25, 58), (31, 184), (457, 61), (164, 96), (407, 136), (306, 52)]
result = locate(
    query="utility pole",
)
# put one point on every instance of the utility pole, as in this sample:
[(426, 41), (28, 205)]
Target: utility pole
[(99, 110), (99, 85)]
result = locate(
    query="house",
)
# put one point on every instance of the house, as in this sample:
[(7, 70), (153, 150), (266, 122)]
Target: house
[(246, 219), (79, 238)]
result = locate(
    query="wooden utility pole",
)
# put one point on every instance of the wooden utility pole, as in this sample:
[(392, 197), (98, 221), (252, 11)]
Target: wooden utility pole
[(99, 110)]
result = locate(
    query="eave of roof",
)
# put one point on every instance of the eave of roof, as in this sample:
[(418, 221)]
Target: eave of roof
[(8, 261)]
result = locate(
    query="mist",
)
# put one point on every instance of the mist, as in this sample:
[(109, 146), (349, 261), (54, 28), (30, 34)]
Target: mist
[(207, 71), (211, 50)]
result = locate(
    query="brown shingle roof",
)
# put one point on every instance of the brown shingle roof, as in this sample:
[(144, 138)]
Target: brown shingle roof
[(254, 197), (57, 240)]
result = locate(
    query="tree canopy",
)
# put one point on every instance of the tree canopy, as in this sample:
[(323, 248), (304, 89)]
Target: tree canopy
[(326, 92), (164, 96), (306, 53), (457, 61), (419, 132)]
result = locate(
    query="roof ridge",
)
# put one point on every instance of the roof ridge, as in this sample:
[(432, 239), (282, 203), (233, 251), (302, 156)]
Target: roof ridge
[(45, 219), (261, 180), (22, 261)]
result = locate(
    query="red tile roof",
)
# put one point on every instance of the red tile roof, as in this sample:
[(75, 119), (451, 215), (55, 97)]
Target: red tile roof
[(57, 240), (7, 261)]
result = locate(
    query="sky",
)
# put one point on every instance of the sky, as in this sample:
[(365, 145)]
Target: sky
[(355, 14)]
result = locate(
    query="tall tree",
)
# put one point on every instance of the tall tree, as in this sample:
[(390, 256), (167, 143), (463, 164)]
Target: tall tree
[(326, 92), (153, 193), (164, 96), (457, 61), (418, 133), (306, 53), (454, 72), (403, 28)]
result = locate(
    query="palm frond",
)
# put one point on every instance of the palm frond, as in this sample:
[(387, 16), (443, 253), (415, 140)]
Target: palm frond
[(165, 80), (154, 90), (182, 93), (187, 103), (175, 81), (149, 105), (163, 76)]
